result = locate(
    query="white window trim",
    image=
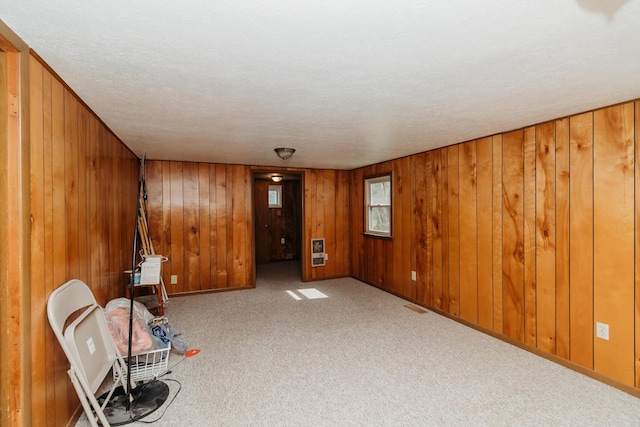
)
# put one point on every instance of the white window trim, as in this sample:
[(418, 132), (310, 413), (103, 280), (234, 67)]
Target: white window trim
[(367, 205)]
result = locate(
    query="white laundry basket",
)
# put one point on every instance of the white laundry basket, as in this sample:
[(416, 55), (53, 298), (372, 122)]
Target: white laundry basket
[(148, 365)]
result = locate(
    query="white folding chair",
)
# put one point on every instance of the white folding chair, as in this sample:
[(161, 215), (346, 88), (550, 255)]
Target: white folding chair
[(88, 345)]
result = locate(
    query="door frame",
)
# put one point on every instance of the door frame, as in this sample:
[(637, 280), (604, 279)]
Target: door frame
[(258, 170), (15, 229)]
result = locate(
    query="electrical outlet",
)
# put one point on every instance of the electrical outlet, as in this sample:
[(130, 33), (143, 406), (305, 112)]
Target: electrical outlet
[(414, 276), (174, 279), (602, 331), (282, 241)]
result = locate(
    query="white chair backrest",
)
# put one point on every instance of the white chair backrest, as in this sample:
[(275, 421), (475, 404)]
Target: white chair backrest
[(86, 341)]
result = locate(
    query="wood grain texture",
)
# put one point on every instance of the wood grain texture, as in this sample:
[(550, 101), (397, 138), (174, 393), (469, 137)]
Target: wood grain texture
[(402, 193), (436, 221), (38, 274), (545, 234), (562, 302), (421, 225), (485, 231), (444, 153), (75, 165), (498, 210), (637, 243), (454, 230), (529, 239), (581, 238), (513, 235), (468, 232), (613, 240), (191, 230), (429, 217)]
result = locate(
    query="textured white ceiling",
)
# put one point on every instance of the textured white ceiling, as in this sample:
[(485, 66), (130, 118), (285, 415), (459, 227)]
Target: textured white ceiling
[(346, 82)]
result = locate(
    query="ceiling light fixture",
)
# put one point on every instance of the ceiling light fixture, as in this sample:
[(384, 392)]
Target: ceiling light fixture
[(284, 153), (276, 178)]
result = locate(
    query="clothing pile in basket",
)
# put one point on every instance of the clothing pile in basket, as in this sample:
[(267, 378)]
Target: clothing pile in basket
[(148, 332)]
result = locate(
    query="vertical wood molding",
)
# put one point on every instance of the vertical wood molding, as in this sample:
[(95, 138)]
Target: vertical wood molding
[(15, 291)]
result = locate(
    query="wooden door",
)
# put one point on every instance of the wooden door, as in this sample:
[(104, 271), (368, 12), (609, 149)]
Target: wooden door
[(262, 222)]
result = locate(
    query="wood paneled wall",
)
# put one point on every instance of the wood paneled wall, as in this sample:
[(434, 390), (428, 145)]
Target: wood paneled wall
[(83, 186), (530, 234), (326, 215), (201, 217)]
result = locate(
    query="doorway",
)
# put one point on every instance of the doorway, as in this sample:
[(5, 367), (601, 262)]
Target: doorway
[(278, 217)]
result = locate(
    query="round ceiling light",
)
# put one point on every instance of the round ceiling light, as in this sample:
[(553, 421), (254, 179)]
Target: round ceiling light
[(284, 153)]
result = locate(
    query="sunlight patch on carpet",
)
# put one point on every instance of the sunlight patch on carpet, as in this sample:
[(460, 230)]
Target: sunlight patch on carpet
[(294, 295), (312, 293)]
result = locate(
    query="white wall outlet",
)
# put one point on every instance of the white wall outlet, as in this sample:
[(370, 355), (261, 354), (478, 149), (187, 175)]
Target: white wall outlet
[(174, 279), (602, 331), (282, 241), (414, 276)]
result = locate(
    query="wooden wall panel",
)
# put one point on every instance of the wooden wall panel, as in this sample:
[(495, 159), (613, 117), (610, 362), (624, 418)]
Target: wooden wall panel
[(545, 233), (437, 263), (204, 223), (220, 203), (613, 240), (39, 323), (356, 222), (401, 193), (454, 230), (562, 239), (529, 240), (498, 209), (581, 238), (176, 231), (484, 156), (637, 243), (468, 232), (191, 218), (444, 218), (83, 186), (513, 235), (429, 217), (421, 226)]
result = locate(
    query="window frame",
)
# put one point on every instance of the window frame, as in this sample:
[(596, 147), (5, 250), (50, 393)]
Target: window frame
[(367, 181), (278, 189)]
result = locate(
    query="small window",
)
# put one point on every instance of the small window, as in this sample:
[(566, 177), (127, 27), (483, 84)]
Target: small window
[(275, 196), (378, 205)]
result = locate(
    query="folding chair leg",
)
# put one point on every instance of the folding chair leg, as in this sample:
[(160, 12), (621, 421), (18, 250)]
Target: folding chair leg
[(89, 403)]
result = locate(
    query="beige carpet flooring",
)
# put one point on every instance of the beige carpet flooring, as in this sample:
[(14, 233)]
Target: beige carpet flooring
[(359, 357)]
